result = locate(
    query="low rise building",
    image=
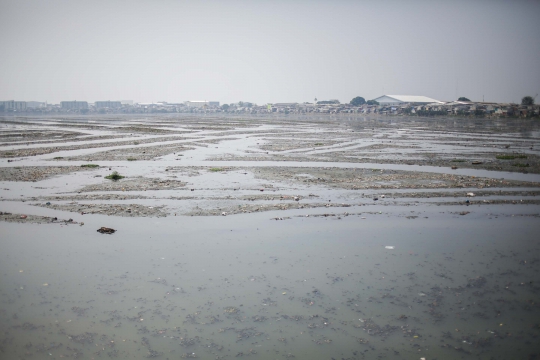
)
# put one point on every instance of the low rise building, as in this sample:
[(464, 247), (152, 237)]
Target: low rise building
[(36, 104), (202, 103), (108, 104), (74, 105)]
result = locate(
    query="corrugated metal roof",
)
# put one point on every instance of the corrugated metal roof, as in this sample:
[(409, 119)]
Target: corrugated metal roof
[(412, 98)]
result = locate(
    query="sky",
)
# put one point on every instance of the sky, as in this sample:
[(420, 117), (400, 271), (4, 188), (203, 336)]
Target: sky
[(268, 51)]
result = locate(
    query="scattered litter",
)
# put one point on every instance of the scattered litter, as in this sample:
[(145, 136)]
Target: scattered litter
[(470, 194), (23, 216), (464, 213), (390, 247), (106, 230)]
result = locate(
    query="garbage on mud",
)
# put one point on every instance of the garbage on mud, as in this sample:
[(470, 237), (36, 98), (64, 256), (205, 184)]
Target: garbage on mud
[(106, 230)]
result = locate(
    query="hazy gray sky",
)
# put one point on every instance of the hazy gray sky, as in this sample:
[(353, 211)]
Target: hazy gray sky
[(268, 51)]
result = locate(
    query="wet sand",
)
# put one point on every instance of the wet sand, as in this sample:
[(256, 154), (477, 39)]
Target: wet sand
[(269, 238)]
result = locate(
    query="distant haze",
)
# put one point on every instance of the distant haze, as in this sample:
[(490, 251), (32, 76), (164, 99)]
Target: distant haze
[(268, 51)]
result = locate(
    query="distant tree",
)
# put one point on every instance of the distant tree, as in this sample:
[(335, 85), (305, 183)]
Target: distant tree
[(2, 107), (527, 100), (224, 107), (357, 101), (463, 99), (241, 103), (372, 102)]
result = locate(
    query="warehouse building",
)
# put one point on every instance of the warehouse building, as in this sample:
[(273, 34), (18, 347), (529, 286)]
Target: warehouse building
[(405, 99)]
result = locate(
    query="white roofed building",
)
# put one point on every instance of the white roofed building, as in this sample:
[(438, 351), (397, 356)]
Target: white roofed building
[(202, 103), (402, 99)]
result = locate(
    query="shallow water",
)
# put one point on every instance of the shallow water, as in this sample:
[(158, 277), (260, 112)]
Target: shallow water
[(179, 275)]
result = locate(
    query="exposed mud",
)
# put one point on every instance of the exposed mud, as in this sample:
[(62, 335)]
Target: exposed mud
[(37, 173), (125, 210), (35, 219)]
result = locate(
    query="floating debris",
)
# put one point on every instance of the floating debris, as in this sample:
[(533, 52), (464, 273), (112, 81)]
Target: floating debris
[(106, 230)]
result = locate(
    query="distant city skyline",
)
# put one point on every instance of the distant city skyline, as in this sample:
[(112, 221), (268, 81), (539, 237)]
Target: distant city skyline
[(268, 51)]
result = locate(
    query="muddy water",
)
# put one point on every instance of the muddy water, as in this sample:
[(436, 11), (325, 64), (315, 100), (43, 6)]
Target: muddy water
[(427, 276), (310, 287)]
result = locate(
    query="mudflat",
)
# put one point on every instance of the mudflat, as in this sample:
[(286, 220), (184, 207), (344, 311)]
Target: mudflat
[(269, 237)]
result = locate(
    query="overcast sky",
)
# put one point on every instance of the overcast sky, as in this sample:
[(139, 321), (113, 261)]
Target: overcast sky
[(268, 51)]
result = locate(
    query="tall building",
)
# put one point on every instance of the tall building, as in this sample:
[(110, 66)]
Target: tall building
[(11, 105), (74, 105), (108, 104)]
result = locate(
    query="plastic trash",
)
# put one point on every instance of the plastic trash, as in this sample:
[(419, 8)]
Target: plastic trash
[(390, 247)]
